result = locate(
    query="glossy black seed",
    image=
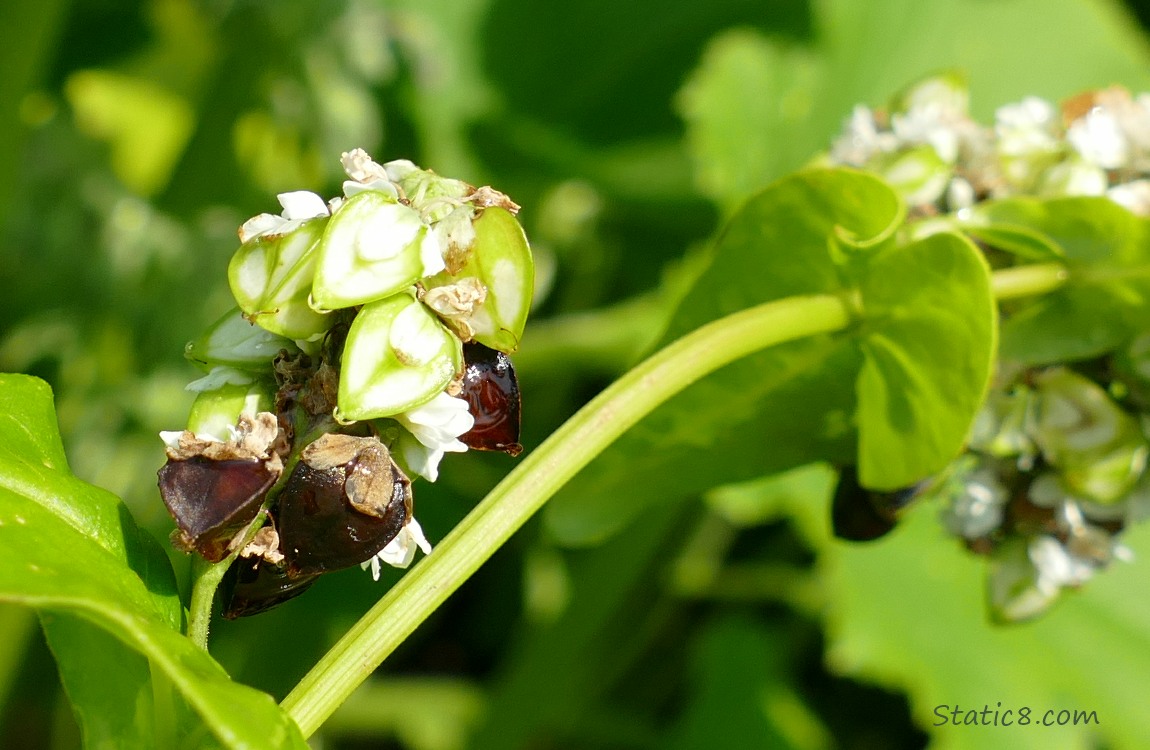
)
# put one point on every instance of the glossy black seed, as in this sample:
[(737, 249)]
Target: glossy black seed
[(862, 515), (213, 500), (492, 394), (319, 529), (253, 585)]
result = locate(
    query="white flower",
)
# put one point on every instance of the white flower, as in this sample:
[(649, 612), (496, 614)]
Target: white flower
[(1056, 566), (959, 194), (1098, 137), (457, 302), (365, 174), (400, 551), (978, 509), (1026, 128), (930, 125), (298, 206), (434, 429), (861, 139), (1133, 196), (1074, 176)]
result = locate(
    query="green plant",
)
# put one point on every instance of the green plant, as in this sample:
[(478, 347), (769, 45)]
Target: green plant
[(823, 312)]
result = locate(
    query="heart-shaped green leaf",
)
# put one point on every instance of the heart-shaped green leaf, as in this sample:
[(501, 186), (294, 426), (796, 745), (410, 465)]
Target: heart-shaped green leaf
[(928, 343), (867, 395), (72, 551)]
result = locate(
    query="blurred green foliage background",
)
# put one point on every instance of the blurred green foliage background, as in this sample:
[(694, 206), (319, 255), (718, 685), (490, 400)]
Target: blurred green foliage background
[(135, 137)]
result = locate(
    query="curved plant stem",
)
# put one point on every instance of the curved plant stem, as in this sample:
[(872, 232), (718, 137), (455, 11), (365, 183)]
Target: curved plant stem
[(538, 477)]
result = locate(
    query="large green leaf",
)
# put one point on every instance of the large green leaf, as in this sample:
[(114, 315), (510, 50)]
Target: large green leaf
[(33, 465), (108, 684), (742, 104), (920, 353), (73, 552), (1107, 296)]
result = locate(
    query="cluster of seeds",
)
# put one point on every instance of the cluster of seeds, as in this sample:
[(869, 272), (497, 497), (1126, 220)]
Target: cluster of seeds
[(370, 338)]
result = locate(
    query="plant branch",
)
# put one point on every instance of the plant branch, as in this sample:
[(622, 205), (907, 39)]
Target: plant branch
[(206, 579), (1028, 280), (538, 477)]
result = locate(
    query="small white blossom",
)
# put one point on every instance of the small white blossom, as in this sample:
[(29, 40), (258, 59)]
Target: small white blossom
[(1026, 128), (928, 125), (1133, 196), (298, 206), (978, 509), (959, 194), (400, 551), (1098, 137), (365, 174), (1075, 176), (1056, 566), (861, 139), (434, 429)]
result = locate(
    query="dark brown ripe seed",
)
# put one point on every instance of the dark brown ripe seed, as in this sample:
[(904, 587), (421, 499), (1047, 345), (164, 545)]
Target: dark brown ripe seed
[(213, 500), (321, 528), (492, 394), (253, 585), (862, 515)]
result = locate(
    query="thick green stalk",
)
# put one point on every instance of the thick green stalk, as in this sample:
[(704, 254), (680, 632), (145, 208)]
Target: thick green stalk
[(538, 477)]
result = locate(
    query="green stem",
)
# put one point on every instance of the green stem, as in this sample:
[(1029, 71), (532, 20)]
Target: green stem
[(206, 579), (538, 477), (1027, 281)]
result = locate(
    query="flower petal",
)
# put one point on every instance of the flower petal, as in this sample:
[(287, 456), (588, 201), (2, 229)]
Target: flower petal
[(301, 205)]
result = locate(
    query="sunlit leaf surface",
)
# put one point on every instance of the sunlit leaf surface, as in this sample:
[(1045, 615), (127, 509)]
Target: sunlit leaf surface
[(80, 577)]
